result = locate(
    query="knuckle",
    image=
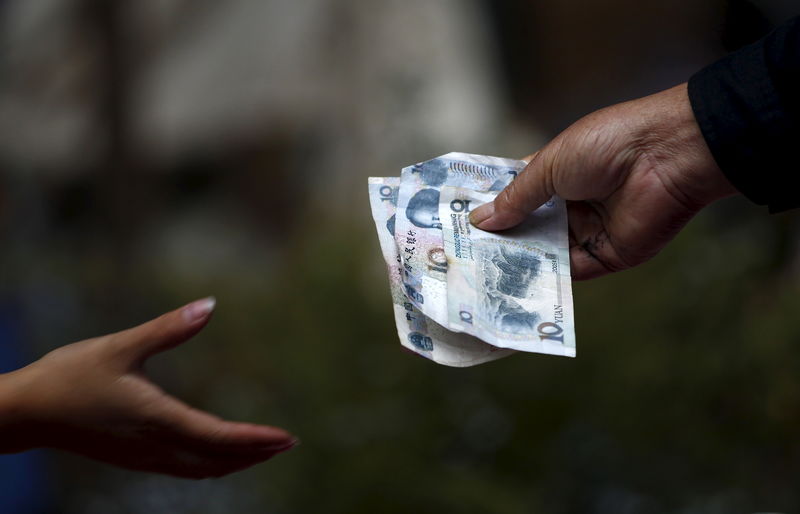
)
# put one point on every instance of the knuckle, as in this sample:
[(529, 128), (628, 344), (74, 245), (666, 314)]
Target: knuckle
[(509, 199), (215, 435), (501, 201), (517, 197)]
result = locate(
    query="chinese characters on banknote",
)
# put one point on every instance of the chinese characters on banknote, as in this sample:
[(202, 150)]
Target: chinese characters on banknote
[(463, 296)]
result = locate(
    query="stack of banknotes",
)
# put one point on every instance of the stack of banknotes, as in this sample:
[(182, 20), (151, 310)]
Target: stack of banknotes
[(463, 296)]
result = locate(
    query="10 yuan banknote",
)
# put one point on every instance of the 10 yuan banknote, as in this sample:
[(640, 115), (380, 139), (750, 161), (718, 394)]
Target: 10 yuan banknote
[(416, 331), (511, 289), (419, 229), (463, 296)]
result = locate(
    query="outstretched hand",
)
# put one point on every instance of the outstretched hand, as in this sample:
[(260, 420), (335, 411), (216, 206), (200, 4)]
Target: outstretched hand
[(93, 398), (633, 174)]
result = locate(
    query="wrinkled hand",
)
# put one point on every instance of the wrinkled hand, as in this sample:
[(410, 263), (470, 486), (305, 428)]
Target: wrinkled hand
[(633, 175), (93, 398)]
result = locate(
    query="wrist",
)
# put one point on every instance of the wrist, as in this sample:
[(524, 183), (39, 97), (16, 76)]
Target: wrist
[(673, 139), (16, 424)]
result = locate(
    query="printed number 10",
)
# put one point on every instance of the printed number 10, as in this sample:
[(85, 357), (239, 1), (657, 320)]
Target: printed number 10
[(387, 193), (549, 331)]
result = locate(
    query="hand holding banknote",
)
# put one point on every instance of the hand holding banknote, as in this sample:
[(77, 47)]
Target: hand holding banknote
[(633, 174)]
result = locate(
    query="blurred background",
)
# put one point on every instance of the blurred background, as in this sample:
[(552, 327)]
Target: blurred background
[(157, 151)]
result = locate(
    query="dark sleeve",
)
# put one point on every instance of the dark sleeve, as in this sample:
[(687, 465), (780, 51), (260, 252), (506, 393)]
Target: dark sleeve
[(748, 108)]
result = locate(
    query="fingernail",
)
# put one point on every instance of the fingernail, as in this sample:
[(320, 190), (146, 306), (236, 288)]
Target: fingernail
[(281, 447), (481, 214), (198, 310)]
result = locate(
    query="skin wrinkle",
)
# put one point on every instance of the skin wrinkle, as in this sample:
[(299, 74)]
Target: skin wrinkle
[(627, 227), (632, 174), (656, 165), (550, 182), (590, 242), (594, 258), (508, 202), (597, 206), (593, 244), (639, 150), (588, 246)]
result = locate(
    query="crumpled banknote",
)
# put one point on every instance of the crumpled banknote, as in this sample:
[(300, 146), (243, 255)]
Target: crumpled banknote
[(511, 289), (417, 332), (463, 296), (418, 227)]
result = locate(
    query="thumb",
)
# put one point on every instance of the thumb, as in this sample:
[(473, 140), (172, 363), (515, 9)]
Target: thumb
[(526, 193), (166, 331)]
